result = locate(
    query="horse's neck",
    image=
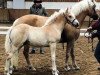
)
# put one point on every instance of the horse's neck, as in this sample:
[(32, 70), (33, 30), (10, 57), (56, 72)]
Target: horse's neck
[(58, 23), (81, 18)]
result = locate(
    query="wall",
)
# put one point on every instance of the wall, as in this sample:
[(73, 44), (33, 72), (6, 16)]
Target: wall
[(12, 13)]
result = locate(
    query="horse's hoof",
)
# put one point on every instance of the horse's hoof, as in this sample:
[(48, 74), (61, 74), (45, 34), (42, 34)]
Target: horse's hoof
[(73, 68), (32, 68), (8, 74), (15, 69), (11, 69), (55, 72), (67, 69), (77, 68)]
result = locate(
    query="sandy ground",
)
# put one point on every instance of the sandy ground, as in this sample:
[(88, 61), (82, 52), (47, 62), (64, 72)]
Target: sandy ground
[(42, 62)]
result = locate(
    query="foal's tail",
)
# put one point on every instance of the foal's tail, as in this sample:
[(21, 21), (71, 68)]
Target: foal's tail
[(8, 42), (9, 47)]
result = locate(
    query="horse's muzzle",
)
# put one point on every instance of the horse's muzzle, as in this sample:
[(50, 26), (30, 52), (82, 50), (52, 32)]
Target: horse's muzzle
[(75, 23), (95, 16)]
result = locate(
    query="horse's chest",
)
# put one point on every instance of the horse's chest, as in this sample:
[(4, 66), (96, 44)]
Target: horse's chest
[(37, 38), (70, 34), (54, 37)]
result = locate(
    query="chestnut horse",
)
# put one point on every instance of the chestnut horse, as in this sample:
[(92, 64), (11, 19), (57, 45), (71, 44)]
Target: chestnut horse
[(69, 35), (47, 35), (83, 8)]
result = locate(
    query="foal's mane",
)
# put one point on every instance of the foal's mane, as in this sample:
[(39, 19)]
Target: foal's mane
[(81, 6), (53, 17)]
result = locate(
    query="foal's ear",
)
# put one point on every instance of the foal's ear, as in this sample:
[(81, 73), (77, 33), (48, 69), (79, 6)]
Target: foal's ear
[(93, 0), (66, 11)]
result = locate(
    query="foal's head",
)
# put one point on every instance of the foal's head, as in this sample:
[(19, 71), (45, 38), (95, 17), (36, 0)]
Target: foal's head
[(70, 17), (92, 9)]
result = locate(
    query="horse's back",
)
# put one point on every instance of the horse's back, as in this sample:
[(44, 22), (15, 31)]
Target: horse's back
[(33, 20)]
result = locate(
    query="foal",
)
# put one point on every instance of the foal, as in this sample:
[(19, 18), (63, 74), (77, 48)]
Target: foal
[(47, 35), (69, 35)]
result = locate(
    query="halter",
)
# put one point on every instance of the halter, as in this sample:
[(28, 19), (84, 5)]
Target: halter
[(65, 17), (94, 15), (68, 20)]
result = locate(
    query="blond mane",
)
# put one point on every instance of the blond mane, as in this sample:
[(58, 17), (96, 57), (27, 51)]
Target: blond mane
[(53, 17), (81, 6)]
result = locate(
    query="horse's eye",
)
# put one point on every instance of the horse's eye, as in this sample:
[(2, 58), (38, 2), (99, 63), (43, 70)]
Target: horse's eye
[(70, 16)]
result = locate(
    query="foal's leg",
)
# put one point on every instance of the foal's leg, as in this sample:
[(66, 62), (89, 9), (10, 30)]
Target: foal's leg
[(14, 60), (9, 65), (74, 65), (53, 57), (68, 49), (26, 55)]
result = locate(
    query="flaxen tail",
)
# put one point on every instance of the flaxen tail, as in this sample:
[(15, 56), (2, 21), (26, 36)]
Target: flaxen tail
[(9, 48)]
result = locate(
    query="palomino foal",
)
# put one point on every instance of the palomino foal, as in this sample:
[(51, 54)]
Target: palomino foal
[(47, 35), (69, 35)]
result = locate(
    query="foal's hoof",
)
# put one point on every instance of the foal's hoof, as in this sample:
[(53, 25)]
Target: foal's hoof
[(8, 74), (31, 68), (67, 69), (75, 67), (55, 72)]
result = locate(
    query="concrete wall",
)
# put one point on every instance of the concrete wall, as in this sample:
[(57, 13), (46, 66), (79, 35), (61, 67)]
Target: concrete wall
[(15, 9), (47, 5)]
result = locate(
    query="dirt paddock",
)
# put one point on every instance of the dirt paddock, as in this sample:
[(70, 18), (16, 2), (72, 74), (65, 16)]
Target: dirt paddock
[(42, 62)]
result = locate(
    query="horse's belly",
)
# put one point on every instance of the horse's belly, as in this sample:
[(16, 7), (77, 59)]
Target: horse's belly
[(39, 43), (38, 39)]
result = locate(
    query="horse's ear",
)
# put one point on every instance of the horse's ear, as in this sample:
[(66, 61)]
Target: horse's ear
[(93, 0), (66, 10)]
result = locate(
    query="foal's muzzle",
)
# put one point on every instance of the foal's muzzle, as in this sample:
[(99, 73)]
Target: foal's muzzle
[(75, 23)]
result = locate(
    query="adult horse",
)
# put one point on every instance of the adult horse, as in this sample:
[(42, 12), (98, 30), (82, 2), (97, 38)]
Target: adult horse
[(47, 35), (81, 10)]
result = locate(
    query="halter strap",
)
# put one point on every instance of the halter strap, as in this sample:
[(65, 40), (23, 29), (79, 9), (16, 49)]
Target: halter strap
[(65, 17), (68, 20)]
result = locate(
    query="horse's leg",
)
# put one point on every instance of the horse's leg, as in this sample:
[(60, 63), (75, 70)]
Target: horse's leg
[(10, 60), (14, 60), (26, 55), (53, 57), (68, 49), (9, 65), (74, 65)]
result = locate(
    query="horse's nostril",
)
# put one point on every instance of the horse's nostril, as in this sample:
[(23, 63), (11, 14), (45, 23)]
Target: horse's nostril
[(95, 17), (77, 25)]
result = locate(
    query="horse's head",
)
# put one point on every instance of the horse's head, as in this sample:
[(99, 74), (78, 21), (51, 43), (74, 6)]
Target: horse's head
[(71, 18), (92, 9)]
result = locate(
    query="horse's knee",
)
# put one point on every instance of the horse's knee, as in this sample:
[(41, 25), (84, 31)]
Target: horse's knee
[(72, 55), (9, 55), (24, 52), (26, 49), (67, 55)]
